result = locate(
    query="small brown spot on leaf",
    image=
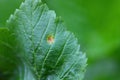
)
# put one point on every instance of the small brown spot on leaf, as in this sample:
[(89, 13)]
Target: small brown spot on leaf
[(50, 39)]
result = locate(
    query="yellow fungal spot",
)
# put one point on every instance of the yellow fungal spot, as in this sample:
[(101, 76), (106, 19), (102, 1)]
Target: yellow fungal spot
[(50, 39)]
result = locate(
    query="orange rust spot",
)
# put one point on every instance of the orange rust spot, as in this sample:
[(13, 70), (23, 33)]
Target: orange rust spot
[(50, 39)]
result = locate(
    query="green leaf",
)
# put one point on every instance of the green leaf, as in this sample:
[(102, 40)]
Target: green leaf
[(8, 61), (12, 66), (51, 52)]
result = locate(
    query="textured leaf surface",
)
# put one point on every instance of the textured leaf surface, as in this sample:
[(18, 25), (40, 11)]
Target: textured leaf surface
[(52, 52)]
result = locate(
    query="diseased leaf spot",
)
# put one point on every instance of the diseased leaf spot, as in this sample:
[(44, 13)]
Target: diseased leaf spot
[(50, 39)]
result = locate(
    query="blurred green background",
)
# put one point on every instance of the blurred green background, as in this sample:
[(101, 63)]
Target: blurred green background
[(96, 23)]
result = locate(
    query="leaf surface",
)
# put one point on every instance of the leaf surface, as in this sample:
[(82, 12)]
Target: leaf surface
[(51, 51)]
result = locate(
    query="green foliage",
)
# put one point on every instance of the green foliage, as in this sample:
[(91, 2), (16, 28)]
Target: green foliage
[(38, 47), (7, 56)]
